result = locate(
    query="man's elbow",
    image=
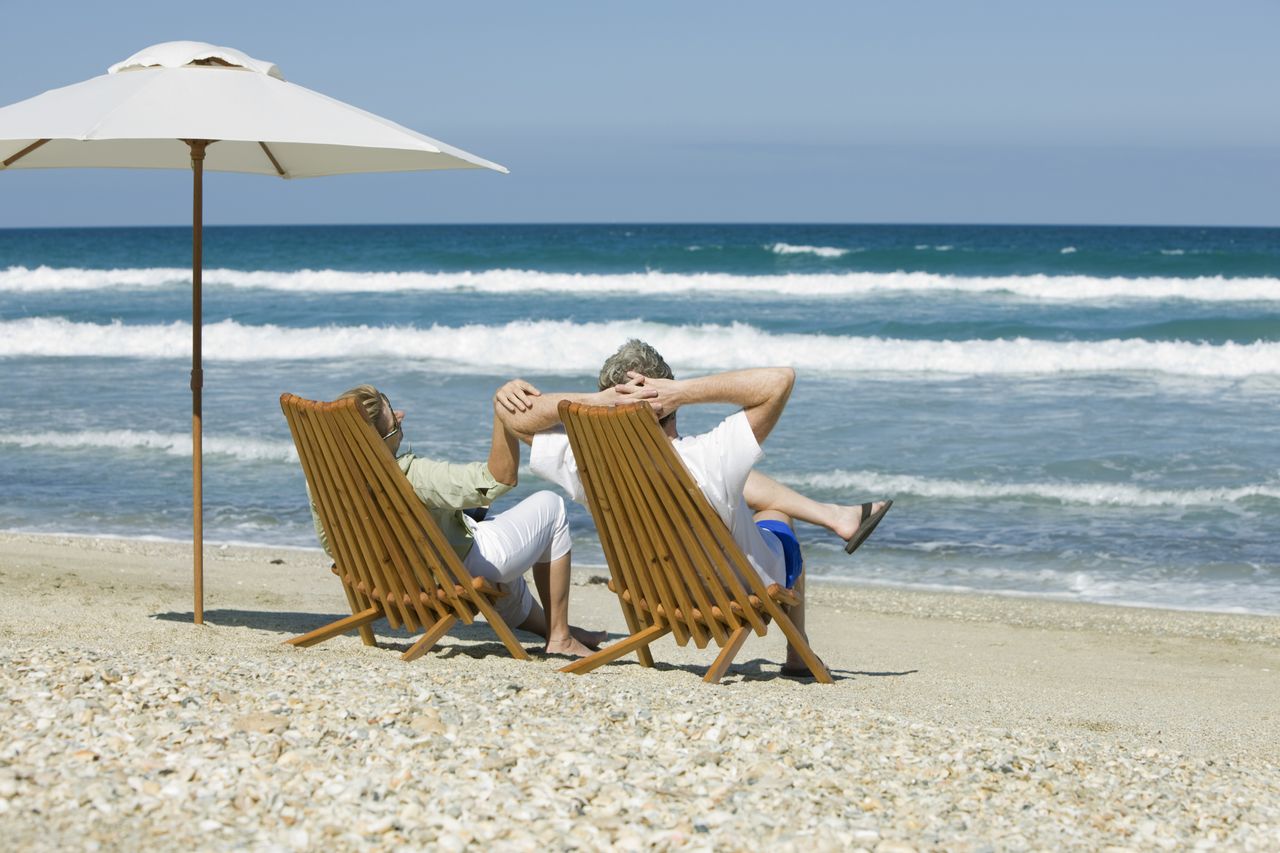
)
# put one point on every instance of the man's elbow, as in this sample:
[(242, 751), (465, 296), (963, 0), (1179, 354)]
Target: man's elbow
[(783, 379)]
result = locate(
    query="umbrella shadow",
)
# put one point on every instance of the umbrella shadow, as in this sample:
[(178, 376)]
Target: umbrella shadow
[(286, 622)]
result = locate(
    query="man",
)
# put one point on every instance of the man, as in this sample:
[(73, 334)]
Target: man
[(534, 534), (757, 509)]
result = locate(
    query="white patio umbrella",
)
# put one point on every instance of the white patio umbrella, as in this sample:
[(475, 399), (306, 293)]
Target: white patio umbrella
[(189, 104)]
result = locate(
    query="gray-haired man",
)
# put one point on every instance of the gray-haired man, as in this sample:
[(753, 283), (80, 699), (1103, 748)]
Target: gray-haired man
[(757, 509)]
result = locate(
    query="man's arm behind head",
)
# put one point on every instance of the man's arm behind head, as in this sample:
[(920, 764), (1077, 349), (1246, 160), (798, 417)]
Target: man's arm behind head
[(761, 392)]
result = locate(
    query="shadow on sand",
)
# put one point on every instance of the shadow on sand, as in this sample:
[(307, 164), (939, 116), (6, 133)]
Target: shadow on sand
[(478, 641)]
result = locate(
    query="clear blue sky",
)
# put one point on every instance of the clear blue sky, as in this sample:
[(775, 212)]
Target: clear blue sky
[(1084, 112)]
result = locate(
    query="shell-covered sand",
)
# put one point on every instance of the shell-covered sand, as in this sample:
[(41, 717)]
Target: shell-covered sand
[(956, 722)]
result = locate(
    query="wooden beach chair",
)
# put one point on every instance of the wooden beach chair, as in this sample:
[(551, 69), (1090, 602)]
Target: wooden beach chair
[(389, 553), (674, 564)]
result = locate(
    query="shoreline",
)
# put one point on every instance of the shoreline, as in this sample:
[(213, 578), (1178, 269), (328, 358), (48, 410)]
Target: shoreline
[(955, 720), (601, 569)]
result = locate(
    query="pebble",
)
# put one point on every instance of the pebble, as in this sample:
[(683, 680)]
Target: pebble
[(352, 750)]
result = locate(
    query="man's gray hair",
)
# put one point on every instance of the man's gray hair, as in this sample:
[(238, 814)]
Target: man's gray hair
[(635, 355)]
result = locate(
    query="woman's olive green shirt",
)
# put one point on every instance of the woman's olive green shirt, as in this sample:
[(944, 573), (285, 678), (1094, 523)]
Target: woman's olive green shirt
[(445, 489)]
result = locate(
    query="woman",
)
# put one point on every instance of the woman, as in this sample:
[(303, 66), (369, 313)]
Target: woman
[(534, 534)]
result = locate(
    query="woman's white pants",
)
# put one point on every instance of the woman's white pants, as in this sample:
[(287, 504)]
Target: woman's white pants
[(506, 546)]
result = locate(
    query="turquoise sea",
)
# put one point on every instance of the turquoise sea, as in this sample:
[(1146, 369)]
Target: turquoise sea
[(1088, 413)]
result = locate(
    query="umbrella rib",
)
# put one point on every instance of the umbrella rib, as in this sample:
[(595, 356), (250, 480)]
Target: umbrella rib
[(272, 158), (24, 152)]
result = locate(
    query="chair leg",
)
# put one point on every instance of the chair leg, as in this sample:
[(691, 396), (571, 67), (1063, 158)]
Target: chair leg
[(721, 665), (500, 627), (797, 639), (617, 650), (429, 639), (634, 627), (366, 632), (333, 629)]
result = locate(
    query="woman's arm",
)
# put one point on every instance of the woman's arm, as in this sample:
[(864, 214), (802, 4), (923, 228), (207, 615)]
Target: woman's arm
[(504, 454)]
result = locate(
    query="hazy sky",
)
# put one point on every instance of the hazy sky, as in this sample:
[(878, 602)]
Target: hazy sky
[(1081, 112)]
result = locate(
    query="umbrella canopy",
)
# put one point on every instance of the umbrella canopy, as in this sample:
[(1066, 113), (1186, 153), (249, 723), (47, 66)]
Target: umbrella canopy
[(192, 105), (137, 114)]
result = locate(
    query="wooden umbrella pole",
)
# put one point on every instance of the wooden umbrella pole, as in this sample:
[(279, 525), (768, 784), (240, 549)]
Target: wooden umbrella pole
[(197, 373)]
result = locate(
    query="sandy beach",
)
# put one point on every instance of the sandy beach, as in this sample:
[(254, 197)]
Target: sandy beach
[(956, 722)]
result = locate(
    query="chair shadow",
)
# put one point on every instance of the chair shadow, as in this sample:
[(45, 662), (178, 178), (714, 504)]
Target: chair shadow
[(757, 669), (478, 638), (479, 641)]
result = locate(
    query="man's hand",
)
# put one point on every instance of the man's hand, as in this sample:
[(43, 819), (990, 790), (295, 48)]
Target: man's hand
[(662, 395), (515, 396)]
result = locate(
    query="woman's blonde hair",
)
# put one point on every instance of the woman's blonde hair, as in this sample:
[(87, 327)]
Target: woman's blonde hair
[(369, 401)]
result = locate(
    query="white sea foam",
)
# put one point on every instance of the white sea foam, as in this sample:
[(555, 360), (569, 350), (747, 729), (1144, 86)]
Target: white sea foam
[(1173, 252), (173, 444), (566, 347), (1061, 288), (1067, 250), (820, 251), (1086, 494)]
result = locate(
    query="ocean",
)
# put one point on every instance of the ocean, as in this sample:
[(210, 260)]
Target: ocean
[(1083, 413)]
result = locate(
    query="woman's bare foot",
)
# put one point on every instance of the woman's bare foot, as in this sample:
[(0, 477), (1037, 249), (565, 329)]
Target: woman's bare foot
[(568, 646), (590, 639)]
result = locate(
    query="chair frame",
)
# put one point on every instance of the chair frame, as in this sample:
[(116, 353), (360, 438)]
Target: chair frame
[(389, 553), (674, 564)]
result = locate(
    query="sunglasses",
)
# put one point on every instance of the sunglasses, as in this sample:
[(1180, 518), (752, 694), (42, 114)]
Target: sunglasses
[(395, 429)]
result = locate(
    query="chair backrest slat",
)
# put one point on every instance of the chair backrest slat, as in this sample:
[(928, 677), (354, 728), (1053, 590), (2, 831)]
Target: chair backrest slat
[(399, 577), (701, 552), (380, 534), (353, 479), (319, 490), (355, 549), (727, 565), (666, 536), (393, 513), (611, 507), (659, 553)]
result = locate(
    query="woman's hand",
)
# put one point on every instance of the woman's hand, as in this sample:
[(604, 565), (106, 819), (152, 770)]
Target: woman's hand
[(515, 396)]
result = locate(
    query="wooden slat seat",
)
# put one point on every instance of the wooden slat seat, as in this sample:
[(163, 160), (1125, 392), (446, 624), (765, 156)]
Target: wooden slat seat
[(674, 564), (780, 595), (389, 554)]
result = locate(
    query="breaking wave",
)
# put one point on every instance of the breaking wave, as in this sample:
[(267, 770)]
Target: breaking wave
[(567, 347), (1048, 288), (820, 251), (174, 444), (1085, 494)]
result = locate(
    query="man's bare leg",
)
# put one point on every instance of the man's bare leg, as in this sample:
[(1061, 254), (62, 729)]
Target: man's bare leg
[(795, 612), (552, 582), (763, 494)]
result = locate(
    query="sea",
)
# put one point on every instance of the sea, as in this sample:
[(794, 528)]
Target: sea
[(1076, 413)]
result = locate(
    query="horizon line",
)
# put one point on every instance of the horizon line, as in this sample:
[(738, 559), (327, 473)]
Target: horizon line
[(649, 223)]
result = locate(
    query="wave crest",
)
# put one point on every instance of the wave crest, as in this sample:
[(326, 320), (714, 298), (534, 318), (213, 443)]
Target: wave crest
[(820, 251), (1047, 288), (1085, 494), (566, 347), (242, 448)]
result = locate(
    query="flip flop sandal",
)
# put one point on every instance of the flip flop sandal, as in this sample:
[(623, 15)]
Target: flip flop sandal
[(868, 524)]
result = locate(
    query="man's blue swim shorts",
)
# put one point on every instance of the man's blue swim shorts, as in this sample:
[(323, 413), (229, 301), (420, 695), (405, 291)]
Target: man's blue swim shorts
[(790, 548)]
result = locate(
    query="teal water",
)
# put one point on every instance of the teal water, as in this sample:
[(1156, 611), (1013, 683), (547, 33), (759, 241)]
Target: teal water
[(1085, 413)]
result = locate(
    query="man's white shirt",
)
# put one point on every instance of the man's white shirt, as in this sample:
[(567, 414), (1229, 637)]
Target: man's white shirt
[(719, 461)]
